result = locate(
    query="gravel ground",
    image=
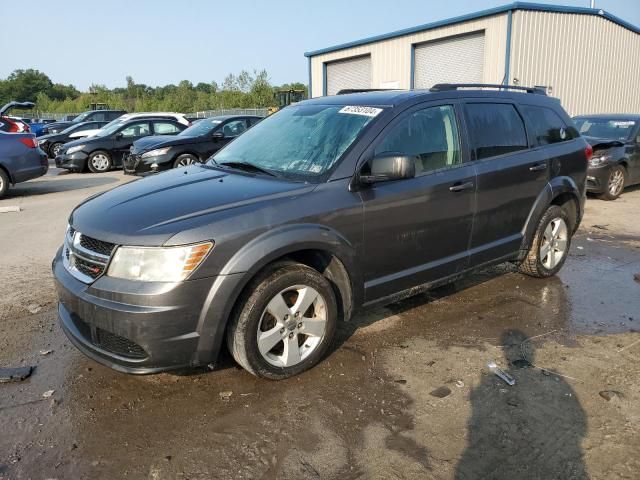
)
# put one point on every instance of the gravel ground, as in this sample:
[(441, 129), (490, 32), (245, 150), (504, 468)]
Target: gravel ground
[(404, 394)]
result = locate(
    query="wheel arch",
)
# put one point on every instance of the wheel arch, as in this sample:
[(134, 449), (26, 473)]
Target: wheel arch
[(318, 247), (6, 170)]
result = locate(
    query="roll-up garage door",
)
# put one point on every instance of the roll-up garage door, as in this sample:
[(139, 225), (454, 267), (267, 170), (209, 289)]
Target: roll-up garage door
[(352, 73), (451, 60)]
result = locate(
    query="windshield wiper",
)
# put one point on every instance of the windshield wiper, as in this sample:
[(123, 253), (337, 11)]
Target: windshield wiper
[(246, 166)]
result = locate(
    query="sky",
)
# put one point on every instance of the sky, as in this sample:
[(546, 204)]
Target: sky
[(164, 41)]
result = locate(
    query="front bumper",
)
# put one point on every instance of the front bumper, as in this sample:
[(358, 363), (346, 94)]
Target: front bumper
[(134, 164), (598, 177), (77, 161), (136, 327)]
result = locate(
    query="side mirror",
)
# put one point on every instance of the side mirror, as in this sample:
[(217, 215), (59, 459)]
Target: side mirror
[(218, 135), (119, 136), (390, 166)]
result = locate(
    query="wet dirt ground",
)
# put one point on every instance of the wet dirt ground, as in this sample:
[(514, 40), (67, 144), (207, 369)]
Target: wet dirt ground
[(372, 408)]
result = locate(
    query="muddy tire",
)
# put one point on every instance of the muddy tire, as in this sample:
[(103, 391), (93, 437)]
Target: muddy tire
[(550, 245), (4, 183), (615, 183), (285, 322), (99, 162)]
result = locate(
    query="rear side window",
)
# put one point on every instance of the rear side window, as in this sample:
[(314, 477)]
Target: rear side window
[(547, 125), (98, 117), (165, 128), (496, 129)]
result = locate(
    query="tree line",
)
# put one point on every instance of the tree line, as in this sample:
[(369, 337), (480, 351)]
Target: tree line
[(244, 90)]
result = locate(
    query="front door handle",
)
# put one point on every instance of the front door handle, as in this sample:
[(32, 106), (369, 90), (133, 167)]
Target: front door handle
[(458, 187), (538, 167)]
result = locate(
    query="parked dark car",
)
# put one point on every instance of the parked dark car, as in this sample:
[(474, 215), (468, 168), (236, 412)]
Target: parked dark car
[(326, 206), (104, 150), (194, 145), (54, 141), (89, 116), (616, 152), (20, 159)]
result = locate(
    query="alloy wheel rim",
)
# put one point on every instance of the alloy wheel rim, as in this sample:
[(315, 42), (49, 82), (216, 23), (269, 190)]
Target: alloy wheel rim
[(616, 182), (100, 162), (56, 149), (185, 162), (553, 247), (292, 326)]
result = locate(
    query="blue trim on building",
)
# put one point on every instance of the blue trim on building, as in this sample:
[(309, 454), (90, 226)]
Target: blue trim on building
[(412, 78), (476, 15), (324, 79), (507, 55), (310, 91)]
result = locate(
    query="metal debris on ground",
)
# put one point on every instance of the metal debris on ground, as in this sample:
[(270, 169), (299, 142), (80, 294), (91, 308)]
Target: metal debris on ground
[(48, 393), (10, 209), (34, 308), (226, 395), (441, 392), (459, 383), (17, 374), (600, 227), (491, 365), (45, 352)]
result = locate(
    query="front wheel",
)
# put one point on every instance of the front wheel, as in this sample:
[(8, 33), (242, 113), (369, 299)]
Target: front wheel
[(185, 160), (54, 149), (4, 183), (550, 245), (615, 183), (286, 322), (99, 162)]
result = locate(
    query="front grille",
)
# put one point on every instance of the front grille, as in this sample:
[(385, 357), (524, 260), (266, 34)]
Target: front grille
[(103, 248), (119, 345), (108, 341), (90, 269), (86, 258)]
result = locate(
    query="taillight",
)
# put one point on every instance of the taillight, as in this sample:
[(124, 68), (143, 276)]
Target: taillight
[(588, 151), (28, 141)]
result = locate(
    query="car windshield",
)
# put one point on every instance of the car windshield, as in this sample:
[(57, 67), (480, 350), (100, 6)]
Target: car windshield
[(81, 117), (201, 127), (609, 128), (299, 142), (108, 129), (70, 129)]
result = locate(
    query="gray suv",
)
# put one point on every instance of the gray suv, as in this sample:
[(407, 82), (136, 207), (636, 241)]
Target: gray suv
[(329, 205)]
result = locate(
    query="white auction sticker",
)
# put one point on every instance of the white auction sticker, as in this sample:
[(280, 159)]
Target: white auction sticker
[(359, 110)]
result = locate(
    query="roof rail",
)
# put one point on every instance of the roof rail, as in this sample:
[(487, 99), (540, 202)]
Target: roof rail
[(443, 87), (346, 91)]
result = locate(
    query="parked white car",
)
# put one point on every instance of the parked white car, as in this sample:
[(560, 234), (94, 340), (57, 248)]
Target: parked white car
[(179, 117)]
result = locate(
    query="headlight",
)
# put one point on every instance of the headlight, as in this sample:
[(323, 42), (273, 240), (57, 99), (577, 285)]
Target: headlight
[(42, 142), (599, 160), (75, 149), (155, 153), (157, 264)]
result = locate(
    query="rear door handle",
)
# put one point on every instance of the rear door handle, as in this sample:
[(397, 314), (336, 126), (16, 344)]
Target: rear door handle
[(538, 167), (458, 187)]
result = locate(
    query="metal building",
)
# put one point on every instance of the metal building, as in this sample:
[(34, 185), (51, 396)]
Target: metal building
[(587, 58)]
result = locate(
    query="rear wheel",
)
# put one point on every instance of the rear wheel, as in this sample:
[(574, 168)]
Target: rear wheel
[(185, 160), (286, 322), (54, 149), (4, 183), (550, 245), (99, 162), (615, 183)]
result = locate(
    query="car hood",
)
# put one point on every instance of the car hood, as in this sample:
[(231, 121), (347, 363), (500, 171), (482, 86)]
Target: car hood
[(157, 141), (602, 143), (150, 211)]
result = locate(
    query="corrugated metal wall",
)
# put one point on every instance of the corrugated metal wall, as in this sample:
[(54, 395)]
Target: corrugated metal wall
[(391, 59), (591, 63)]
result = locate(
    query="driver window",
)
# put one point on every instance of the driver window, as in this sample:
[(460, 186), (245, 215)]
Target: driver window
[(234, 128), (136, 130), (431, 134)]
